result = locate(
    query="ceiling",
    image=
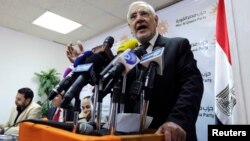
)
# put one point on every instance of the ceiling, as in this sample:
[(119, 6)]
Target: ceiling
[(96, 16)]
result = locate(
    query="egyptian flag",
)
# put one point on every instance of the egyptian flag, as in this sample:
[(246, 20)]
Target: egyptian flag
[(225, 100)]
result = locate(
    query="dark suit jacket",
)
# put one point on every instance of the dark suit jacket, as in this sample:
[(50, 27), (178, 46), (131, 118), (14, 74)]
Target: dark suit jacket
[(177, 94), (69, 116)]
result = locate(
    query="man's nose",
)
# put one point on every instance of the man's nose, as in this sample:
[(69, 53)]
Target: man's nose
[(139, 17)]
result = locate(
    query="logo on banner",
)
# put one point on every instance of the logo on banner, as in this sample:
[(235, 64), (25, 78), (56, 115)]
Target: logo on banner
[(124, 37), (225, 101), (162, 27)]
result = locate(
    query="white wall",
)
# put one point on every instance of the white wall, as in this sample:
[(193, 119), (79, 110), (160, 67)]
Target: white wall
[(20, 56), (238, 19)]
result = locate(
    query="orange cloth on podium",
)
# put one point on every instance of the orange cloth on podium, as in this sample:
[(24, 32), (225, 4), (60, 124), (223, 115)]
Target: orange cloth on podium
[(36, 132)]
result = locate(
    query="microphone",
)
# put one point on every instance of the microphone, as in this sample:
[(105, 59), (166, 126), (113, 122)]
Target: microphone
[(137, 85), (129, 44), (155, 56), (110, 72), (82, 127), (154, 62), (123, 63), (114, 69), (66, 82), (82, 58), (107, 44), (97, 62), (70, 78), (77, 86), (67, 71), (62, 85)]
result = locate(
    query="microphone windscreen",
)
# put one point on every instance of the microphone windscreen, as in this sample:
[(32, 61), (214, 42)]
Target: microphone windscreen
[(129, 44), (60, 125), (108, 41), (67, 71), (84, 128), (82, 58)]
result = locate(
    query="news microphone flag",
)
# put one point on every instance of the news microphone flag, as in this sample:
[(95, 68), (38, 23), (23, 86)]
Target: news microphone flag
[(225, 97)]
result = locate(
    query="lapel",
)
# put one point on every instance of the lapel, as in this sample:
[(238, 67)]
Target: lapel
[(23, 115), (53, 112), (160, 41), (13, 116)]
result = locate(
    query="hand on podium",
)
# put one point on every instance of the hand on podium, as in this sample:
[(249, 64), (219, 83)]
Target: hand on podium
[(172, 132)]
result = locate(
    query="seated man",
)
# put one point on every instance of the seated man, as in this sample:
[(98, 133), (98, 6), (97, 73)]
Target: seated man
[(25, 109), (87, 108), (85, 114), (59, 114)]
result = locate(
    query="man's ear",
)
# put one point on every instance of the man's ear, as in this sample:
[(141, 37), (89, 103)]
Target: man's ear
[(131, 30), (129, 26), (156, 19), (28, 100)]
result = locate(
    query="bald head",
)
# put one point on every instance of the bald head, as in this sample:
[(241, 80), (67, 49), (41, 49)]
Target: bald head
[(139, 4), (142, 21)]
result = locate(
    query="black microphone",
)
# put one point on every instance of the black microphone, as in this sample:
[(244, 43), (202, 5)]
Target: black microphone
[(63, 85), (122, 64), (60, 125), (69, 79), (107, 44), (137, 85), (129, 44), (82, 58), (82, 127), (96, 61)]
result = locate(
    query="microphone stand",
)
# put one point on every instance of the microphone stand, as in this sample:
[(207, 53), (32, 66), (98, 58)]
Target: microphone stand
[(122, 100), (96, 95), (77, 104), (99, 105), (76, 112), (137, 86), (149, 84), (75, 121), (114, 107)]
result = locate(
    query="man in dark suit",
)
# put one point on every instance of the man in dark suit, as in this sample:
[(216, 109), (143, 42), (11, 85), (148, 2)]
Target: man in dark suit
[(175, 102), (59, 114)]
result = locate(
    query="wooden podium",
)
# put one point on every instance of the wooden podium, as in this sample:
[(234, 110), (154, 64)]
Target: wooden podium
[(143, 137), (36, 132)]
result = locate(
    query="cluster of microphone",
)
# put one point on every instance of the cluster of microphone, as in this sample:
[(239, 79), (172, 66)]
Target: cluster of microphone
[(108, 75)]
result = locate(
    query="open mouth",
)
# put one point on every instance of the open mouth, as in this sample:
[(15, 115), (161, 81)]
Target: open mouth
[(141, 27)]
